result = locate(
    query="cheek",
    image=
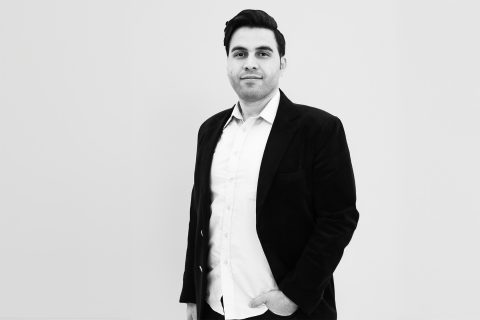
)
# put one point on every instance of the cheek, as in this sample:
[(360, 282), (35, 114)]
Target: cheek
[(274, 73), (231, 73), (232, 78), (232, 67)]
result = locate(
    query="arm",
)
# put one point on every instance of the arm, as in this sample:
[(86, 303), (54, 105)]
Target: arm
[(336, 218), (188, 289)]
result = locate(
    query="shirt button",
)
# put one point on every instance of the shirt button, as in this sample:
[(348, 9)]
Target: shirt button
[(226, 235), (225, 262), (200, 267)]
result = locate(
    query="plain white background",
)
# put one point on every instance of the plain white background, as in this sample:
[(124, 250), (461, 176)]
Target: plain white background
[(100, 103)]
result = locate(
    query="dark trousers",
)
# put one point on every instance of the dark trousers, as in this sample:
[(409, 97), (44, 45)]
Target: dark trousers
[(209, 314)]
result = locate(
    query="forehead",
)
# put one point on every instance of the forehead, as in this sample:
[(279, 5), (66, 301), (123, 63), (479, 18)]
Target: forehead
[(251, 38)]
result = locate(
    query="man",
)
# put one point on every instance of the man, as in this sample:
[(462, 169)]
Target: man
[(273, 201)]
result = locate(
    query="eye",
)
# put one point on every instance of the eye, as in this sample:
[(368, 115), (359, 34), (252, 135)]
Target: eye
[(264, 54), (239, 54)]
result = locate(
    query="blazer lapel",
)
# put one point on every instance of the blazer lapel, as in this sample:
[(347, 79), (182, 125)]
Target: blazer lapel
[(207, 148), (283, 129)]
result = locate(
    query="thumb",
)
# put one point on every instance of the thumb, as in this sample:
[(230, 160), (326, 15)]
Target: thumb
[(261, 299)]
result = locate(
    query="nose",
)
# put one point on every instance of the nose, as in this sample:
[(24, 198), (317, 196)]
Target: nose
[(251, 63)]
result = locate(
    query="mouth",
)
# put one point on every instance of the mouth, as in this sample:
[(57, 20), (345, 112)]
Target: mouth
[(251, 77)]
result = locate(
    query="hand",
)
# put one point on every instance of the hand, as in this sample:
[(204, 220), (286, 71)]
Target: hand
[(191, 311), (276, 302)]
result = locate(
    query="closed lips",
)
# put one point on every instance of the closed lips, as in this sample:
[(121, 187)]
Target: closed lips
[(251, 77)]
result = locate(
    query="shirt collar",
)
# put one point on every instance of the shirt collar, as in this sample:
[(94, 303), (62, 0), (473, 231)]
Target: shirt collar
[(268, 113)]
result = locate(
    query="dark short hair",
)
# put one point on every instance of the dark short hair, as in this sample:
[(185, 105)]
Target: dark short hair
[(253, 19)]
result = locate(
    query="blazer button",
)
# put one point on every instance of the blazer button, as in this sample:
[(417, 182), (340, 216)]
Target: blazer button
[(200, 267), (201, 232)]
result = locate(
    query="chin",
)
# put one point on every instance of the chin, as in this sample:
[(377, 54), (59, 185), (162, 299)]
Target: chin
[(252, 95)]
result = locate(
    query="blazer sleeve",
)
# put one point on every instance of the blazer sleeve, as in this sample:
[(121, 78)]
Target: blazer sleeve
[(187, 294), (188, 289), (336, 218)]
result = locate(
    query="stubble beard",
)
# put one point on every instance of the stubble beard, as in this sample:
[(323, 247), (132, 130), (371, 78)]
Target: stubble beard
[(252, 94)]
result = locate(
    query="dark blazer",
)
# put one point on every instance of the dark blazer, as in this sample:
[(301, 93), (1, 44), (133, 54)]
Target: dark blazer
[(305, 212)]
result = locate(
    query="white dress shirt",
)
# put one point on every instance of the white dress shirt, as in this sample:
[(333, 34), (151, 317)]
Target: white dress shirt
[(239, 270)]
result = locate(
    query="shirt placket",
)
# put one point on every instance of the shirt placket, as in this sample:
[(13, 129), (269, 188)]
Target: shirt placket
[(231, 182)]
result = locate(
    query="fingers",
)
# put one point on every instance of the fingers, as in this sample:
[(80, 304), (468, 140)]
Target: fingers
[(191, 311), (258, 301)]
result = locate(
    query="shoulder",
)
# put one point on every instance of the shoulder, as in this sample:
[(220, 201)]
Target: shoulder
[(219, 116), (214, 120), (321, 127), (313, 113), (309, 116), (317, 119)]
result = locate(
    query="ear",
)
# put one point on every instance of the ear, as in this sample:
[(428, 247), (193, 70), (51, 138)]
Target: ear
[(283, 63)]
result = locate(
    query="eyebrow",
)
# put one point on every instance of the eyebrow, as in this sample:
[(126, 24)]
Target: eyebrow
[(265, 48)]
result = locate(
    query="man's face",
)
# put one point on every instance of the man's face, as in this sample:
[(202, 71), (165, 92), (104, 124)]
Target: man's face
[(254, 65)]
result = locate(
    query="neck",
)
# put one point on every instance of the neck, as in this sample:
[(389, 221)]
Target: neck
[(253, 108)]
